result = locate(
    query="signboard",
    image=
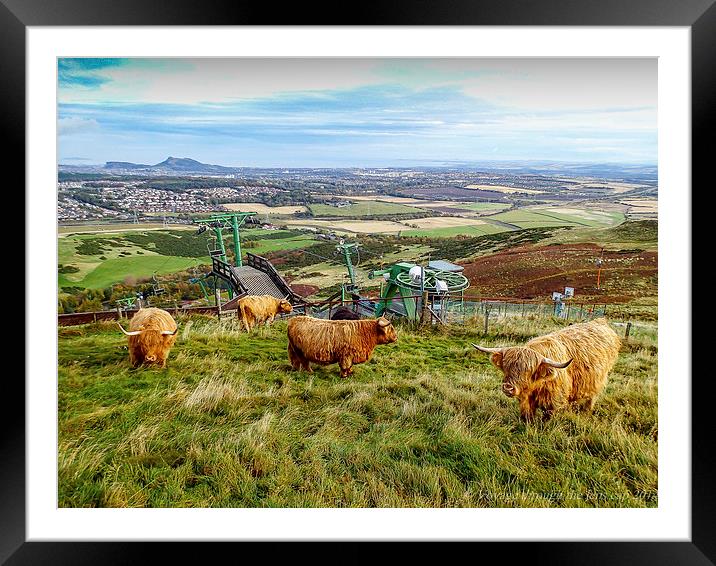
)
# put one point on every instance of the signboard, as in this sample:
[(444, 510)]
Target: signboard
[(569, 291), (556, 296)]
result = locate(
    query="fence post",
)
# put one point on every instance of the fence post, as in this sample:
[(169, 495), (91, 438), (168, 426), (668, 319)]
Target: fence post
[(424, 307), (628, 329), (487, 317)]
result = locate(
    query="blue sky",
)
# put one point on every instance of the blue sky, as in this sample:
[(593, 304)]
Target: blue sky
[(287, 112)]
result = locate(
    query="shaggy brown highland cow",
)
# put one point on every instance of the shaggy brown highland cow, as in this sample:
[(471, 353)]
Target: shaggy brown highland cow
[(152, 333), (569, 366), (347, 342), (255, 309)]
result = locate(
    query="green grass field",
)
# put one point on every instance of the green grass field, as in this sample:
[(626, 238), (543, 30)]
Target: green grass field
[(536, 218), (476, 230), (423, 424), (290, 243), (103, 259), (115, 260), (364, 208), (116, 270), (484, 206)]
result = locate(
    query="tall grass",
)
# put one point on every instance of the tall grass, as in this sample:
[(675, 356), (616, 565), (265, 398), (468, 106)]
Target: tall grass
[(229, 424)]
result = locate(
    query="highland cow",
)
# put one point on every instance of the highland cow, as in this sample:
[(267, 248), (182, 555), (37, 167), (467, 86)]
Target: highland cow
[(566, 367), (346, 342), (344, 313), (256, 309), (152, 333)]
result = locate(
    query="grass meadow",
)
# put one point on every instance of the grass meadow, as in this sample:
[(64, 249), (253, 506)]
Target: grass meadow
[(482, 229), (228, 423), (363, 208)]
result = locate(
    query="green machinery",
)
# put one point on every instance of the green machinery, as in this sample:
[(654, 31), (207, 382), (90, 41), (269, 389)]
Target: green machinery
[(218, 223), (405, 281), (412, 283)]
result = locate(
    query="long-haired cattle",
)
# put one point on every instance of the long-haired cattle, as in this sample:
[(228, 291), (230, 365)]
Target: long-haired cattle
[(569, 366), (256, 309), (152, 333), (344, 313), (346, 342)]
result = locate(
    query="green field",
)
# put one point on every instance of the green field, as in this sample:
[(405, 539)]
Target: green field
[(484, 206), (476, 230), (536, 218), (364, 208), (289, 243), (423, 424), (116, 270), (97, 261)]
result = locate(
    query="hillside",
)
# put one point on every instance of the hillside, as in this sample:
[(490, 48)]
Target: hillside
[(424, 424)]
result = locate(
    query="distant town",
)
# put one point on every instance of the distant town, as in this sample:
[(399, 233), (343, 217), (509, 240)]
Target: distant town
[(180, 188)]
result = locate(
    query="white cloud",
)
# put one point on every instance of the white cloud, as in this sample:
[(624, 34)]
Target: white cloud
[(69, 126)]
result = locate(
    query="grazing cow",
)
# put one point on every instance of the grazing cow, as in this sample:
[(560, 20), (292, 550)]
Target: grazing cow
[(255, 309), (569, 366), (152, 333), (344, 313), (347, 342)]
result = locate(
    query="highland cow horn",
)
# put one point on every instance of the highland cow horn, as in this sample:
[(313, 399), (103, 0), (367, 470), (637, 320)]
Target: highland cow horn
[(555, 364), (169, 332), (383, 322), (488, 350), (133, 333)]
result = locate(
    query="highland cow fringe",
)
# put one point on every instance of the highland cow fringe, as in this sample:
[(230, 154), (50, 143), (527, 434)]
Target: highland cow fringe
[(151, 342)]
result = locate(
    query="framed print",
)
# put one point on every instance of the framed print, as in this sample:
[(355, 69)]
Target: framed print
[(372, 154)]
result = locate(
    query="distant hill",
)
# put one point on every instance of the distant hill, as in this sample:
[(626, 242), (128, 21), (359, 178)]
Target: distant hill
[(124, 165), (170, 164)]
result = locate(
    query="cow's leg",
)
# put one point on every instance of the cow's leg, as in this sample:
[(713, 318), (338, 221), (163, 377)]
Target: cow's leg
[(586, 405), (528, 406), (345, 365), (135, 359), (293, 357)]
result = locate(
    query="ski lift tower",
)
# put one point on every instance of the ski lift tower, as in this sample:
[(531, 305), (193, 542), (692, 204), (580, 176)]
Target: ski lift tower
[(347, 250), (226, 221)]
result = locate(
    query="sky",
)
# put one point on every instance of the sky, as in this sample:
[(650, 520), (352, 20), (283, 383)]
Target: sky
[(354, 112)]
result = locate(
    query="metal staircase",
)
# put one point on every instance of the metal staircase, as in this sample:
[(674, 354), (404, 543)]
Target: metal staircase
[(259, 277)]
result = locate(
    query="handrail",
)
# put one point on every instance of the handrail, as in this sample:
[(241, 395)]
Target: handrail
[(262, 264)]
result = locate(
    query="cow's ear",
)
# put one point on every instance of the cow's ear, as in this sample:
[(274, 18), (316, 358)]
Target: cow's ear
[(496, 359), (495, 354)]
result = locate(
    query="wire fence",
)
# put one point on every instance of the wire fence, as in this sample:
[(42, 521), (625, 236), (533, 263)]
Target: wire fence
[(445, 309)]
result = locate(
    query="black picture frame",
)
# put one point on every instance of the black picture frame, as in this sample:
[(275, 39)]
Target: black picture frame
[(17, 15)]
